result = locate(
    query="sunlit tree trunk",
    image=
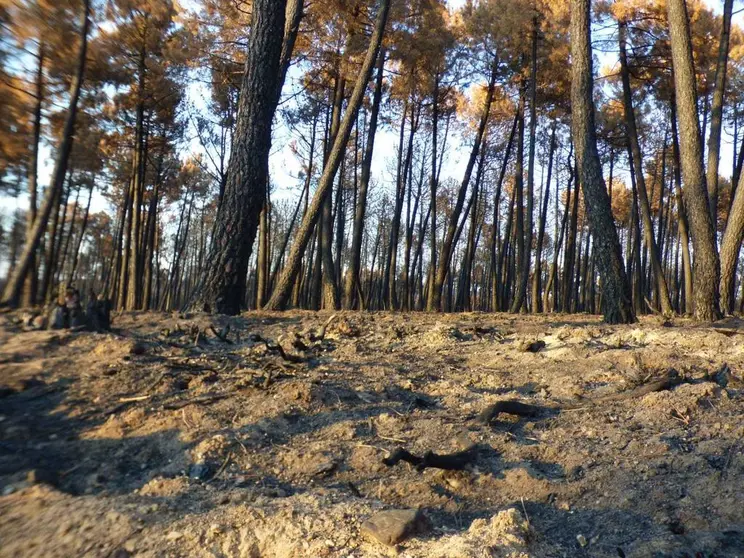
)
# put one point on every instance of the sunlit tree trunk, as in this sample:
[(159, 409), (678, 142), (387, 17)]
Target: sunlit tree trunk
[(283, 288), (223, 286), (706, 266), (616, 291), (14, 286)]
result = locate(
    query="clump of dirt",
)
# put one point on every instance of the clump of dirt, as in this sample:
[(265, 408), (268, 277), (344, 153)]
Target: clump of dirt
[(267, 435)]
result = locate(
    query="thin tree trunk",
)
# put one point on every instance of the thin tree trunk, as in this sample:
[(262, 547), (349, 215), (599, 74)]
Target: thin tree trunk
[(537, 305), (637, 161), (32, 284), (14, 286), (284, 285), (716, 112), (435, 296), (360, 210)]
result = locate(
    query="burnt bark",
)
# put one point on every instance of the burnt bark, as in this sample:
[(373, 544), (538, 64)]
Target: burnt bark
[(223, 286), (706, 266), (616, 290), (283, 288)]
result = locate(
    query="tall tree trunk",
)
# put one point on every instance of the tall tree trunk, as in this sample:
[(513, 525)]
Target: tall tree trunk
[(435, 297), (14, 286), (496, 263), (134, 288), (716, 113), (730, 248), (223, 285), (295, 11), (284, 285), (433, 187), (520, 246), (706, 267), (303, 197), (400, 188), (637, 161), (520, 301), (52, 246), (683, 225), (360, 211), (32, 284), (83, 226), (152, 227), (537, 305), (616, 290)]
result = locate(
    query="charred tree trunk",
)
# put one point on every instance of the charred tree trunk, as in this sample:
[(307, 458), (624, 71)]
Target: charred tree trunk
[(637, 161), (706, 266), (537, 277), (14, 286), (223, 286), (360, 211), (435, 296), (284, 285), (616, 291)]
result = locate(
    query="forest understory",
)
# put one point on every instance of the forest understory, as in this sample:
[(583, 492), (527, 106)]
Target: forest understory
[(176, 435)]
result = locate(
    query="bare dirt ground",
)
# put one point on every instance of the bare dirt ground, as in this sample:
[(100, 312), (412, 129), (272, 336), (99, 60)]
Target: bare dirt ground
[(162, 439)]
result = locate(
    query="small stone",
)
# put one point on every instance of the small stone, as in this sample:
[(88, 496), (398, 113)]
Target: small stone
[(323, 467), (534, 346), (138, 349), (174, 536), (581, 539), (393, 526), (8, 490), (199, 471), (121, 553)]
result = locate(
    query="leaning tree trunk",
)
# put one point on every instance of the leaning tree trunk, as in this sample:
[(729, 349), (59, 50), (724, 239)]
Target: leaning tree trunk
[(295, 11), (224, 282), (284, 285), (730, 247), (33, 176), (14, 286), (360, 211), (635, 148), (616, 290), (716, 113), (706, 267)]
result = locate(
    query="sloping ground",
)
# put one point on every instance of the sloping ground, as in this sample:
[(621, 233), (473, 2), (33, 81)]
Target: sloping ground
[(165, 438)]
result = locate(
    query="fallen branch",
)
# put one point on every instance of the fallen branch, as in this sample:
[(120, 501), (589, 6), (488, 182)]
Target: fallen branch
[(277, 348), (222, 335), (670, 379), (451, 461), (322, 333), (133, 399), (511, 408)]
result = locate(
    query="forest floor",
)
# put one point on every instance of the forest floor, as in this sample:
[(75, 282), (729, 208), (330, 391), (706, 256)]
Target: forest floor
[(167, 438)]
